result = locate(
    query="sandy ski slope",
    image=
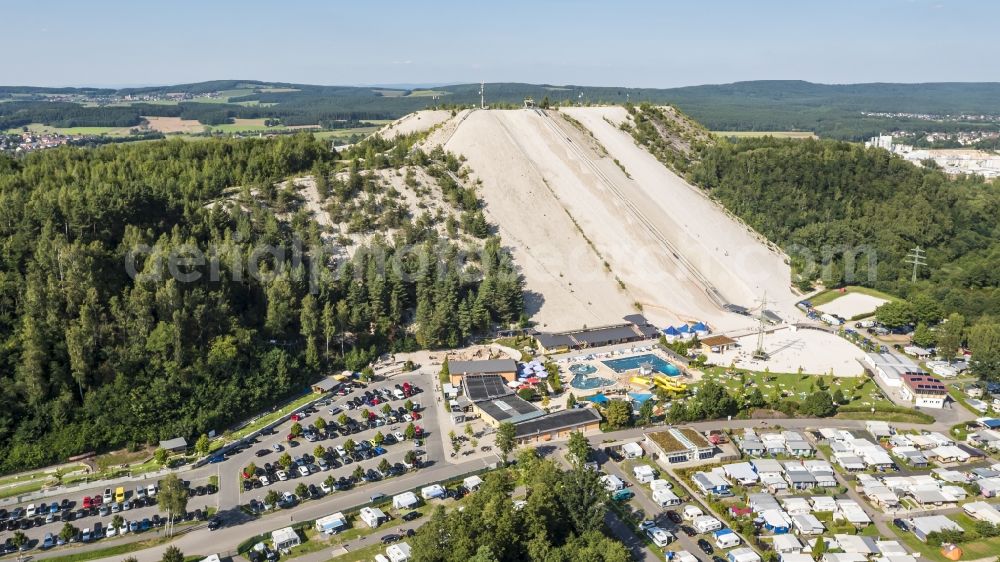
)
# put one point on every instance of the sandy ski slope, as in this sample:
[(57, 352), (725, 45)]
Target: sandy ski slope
[(592, 241), (729, 255)]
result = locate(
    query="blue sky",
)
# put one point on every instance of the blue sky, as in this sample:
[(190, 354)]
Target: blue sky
[(620, 43)]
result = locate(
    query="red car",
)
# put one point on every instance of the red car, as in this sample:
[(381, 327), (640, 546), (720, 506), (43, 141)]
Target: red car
[(87, 502), (96, 501), (418, 431), (296, 417), (290, 437)]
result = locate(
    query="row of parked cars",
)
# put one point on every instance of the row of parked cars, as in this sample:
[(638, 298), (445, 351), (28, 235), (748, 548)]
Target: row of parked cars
[(102, 505), (99, 531)]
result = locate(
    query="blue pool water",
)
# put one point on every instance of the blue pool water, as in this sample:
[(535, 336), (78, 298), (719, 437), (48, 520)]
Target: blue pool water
[(632, 363), (582, 369), (583, 382)]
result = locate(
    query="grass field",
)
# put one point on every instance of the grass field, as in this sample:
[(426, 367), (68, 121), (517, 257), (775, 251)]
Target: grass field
[(861, 391), (426, 93), (831, 295), (776, 134)]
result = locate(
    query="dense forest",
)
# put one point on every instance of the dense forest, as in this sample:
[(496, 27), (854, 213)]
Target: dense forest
[(835, 111), (562, 520), (830, 203), (112, 338)]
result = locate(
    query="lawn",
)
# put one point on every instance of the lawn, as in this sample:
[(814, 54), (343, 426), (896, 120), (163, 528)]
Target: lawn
[(860, 391), (271, 417), (831, 295), (776, 134)]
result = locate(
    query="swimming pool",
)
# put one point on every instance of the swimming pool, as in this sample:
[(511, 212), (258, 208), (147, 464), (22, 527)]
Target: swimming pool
[(582, 369), (583, 382), (632, 363)]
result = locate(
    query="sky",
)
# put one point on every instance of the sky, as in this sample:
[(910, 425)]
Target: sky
[(582, 42)]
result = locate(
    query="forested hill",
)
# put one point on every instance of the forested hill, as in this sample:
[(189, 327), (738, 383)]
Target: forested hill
[(94, 358), (835, 111)]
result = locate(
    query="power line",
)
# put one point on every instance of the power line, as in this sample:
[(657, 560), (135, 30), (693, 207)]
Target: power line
[(917, 258)]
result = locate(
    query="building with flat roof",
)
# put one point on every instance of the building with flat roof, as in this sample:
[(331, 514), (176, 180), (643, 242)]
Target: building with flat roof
[(891, 368), (485, 387), (923, 526), (680, 444), (505, 368), (557, 425), (924, 391), (636, 328), (506, 409)]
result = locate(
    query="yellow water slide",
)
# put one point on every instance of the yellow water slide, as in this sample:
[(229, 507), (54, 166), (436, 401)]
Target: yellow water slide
[(640, 381), (669, 384)]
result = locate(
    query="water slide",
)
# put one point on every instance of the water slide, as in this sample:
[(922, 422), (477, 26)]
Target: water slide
[(669, 384)]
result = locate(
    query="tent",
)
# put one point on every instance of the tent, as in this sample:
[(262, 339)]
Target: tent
[(670, 331)]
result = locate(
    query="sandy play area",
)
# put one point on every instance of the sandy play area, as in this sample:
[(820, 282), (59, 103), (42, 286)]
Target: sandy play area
[(852, 304), (815, 351)]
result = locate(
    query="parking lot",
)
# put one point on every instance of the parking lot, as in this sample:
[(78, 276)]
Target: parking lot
[(92, 515), (227, 469), (343, 466)]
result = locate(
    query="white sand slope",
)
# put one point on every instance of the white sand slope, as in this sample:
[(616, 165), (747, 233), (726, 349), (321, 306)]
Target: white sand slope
[(722, 251), (567, 283), (415, 122)]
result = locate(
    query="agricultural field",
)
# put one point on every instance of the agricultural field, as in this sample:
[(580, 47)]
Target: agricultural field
[(250, 126)]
